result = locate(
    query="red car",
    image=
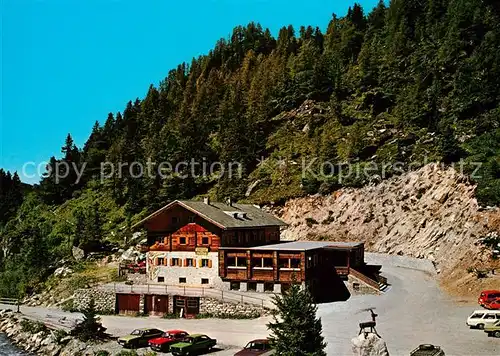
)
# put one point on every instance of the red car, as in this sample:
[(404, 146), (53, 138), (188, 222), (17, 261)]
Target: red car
[(488, 296), (256, 347), (494, 304), (162, 343)]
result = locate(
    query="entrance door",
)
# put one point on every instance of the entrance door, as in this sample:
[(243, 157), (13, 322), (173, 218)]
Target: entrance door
[(156, 304), (127, 303), (190, 306)]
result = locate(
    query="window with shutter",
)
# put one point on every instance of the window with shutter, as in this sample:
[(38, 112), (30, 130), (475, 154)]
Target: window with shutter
[(204, 262)]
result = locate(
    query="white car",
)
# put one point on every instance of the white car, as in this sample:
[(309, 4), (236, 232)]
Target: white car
[(479, 318)]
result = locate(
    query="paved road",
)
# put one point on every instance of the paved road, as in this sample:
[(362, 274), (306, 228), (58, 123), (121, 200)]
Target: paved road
[(412, 312)]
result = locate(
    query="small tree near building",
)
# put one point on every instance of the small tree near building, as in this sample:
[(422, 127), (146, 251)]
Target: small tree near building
[(90, 328), (295, 330)]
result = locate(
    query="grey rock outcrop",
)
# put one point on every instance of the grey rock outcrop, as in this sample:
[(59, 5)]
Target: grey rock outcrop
[(429, 213), (369, 344)]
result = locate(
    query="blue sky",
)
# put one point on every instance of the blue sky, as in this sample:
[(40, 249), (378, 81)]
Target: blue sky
[(67, 63)]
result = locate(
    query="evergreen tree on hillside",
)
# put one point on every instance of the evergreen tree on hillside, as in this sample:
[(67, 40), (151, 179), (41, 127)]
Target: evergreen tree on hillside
[(406, 81), (11, 195), (88, 234), (412, 68), (295, 330)]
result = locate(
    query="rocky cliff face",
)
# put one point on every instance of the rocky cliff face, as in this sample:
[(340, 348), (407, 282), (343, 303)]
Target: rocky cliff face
[(429, 213)]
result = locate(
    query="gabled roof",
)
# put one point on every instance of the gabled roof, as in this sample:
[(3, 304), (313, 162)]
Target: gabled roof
[(225, 216)]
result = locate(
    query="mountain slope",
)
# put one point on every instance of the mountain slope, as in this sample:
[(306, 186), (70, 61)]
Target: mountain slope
[(407, 83), (429, 213)]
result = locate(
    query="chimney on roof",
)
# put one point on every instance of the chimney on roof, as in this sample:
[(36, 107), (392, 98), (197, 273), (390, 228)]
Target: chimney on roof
[(206, 200), (229, 201)]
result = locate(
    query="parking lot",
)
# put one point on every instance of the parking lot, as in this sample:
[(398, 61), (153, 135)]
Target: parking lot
[(413, 311)]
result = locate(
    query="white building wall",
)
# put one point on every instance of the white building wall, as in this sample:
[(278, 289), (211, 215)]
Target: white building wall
[(193, 275)]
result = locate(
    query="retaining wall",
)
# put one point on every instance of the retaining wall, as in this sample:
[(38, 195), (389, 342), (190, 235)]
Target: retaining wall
[(218, 308), (105, 301)]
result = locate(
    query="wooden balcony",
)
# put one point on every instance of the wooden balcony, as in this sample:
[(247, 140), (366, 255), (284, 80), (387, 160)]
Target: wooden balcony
[(262, 274), (290, 274), (236, 273)]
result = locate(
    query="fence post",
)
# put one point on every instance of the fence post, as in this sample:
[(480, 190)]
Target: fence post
[(18, 305), (184, 290), (114, 287), (222, 294), (165, 289), (242, 299), (148, 288)]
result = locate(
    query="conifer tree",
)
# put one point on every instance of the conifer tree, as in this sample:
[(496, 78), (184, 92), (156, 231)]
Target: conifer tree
[(295, 330), (90, 328)]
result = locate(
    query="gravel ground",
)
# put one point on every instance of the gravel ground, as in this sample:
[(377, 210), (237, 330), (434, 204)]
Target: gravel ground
[(413, 311)]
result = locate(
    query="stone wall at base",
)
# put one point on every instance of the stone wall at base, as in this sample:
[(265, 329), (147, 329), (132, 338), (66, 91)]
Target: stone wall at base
[(105, 301), (217, 308)]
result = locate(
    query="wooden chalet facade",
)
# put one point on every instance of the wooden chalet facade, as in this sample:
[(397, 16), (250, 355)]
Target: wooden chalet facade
[(237, 247), (184, 239), (318, 265)]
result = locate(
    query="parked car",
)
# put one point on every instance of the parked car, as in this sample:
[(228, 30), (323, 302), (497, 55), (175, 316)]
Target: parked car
[(192, 344), (488, 295), (139, 338), (256, 347), (493, 329), (427, 350), (479, 318), (493, 304), (170, 337)]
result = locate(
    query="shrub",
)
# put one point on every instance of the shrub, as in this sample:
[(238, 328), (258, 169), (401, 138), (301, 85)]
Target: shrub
[(33, 327), (127, 353), (310, 222), (481, 274), (68, 306), (252, 315), (102, 353), (59, 335), (171, 316)]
